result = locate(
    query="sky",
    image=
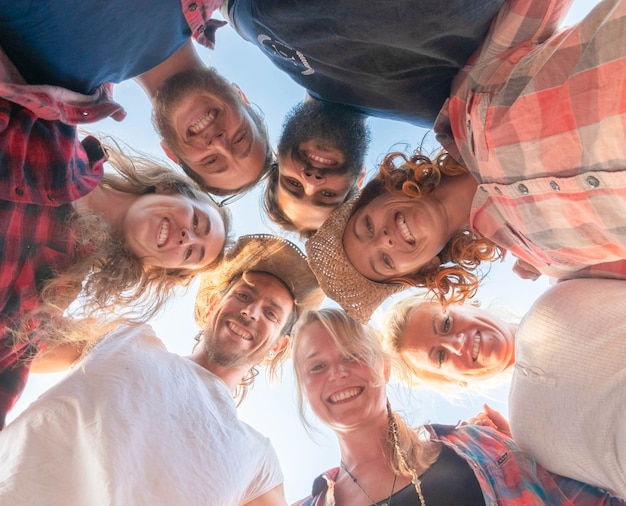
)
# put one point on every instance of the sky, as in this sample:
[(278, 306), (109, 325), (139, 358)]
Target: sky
[(271, 407)]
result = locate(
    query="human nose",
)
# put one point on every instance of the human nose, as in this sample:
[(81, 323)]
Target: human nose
[(251, 311), (313, 177), (185, 236), (383, 238), (216, 139), (338, 370), (455, 343)]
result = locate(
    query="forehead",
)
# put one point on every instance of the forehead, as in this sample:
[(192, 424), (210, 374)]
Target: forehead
[(421, 323), (313, 340), (267, 286)]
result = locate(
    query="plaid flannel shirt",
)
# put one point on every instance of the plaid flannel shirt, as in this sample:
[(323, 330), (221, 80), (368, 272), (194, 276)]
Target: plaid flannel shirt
[(56, 103), (506, 475), (538, 116), (43, 169)]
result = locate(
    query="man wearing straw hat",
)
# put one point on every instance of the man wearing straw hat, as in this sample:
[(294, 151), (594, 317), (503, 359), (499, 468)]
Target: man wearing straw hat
[(135, 424)]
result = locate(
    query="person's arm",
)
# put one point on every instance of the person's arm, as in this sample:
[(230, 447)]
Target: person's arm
[(520, 21), (57, 358), (274, 497)]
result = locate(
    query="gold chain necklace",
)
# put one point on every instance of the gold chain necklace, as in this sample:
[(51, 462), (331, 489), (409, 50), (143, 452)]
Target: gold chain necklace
[(393, 485)]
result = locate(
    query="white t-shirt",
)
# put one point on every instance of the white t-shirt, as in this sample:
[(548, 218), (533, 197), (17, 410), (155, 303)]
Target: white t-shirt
[(133, 424), (567, 403)]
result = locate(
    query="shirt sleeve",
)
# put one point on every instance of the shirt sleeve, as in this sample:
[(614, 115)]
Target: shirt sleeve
[(523, 21), (269, 476)]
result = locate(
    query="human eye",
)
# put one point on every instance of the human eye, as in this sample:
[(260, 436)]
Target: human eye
[(294, 182), (368, 225), (195, 221), (328, 194), (188, 252), (243, 296), (271, 315), (211, 160), (387, 261), (240, 138), (317, 367), (446, 325), (441, 358)]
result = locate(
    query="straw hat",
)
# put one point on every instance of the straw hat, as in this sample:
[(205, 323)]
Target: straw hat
[(356, 294), (262, 253)]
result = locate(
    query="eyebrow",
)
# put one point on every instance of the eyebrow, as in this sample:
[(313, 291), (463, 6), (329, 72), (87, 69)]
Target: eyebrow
[(326, 204), (271, 302), (311, 355)]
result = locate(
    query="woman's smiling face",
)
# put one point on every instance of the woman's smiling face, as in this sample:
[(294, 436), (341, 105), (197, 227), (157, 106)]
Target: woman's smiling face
[(174, 231), (461, 342), (341, 390), (395, 235)]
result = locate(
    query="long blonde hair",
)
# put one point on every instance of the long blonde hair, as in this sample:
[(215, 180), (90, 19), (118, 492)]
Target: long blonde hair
[(110, 282), (408, 452)]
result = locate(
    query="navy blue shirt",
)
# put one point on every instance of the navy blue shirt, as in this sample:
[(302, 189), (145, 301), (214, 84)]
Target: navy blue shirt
[(388, 58), (79, 44)]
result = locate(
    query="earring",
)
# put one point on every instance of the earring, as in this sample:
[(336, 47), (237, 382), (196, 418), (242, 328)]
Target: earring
[(198, 337)]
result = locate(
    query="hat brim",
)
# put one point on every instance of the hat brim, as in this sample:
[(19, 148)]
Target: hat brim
[(262, 253), (356, 294)]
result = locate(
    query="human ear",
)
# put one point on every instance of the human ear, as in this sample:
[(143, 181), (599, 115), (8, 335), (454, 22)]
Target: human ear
[(240, 93), (387, 370), (212, 303), (359, 181), (169, 153), (281, 343)]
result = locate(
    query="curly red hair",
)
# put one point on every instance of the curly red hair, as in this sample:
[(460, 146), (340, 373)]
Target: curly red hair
[(417, 176)]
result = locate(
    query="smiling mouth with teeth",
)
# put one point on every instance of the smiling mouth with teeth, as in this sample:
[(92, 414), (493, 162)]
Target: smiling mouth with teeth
[(312, 157), (244, 334), (202, 122), (476, 346), (405, 233), (164, 232), (345, 394)]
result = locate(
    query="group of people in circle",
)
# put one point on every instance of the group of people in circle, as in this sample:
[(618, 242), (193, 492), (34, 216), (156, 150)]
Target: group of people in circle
[(530, 119)]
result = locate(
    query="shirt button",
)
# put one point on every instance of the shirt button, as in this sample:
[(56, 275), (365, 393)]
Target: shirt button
[(19, 191), (51, 197), (523, 189), (593, 181), (555, 186), (193, 7), (85, 113)]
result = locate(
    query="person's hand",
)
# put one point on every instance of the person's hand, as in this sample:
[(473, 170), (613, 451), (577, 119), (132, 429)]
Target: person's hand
[(526, 271), (492, 418)]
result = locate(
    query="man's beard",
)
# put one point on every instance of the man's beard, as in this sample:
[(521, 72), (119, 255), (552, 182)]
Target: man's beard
[(224, 352), (330, 124), (180, 86)]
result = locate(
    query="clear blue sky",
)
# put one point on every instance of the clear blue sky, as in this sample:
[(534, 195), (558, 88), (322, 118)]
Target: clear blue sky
[(271, 408)]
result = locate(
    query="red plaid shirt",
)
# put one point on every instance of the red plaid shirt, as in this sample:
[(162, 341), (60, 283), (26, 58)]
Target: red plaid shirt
[(506, 475), (56, 103), (539, 117), (43, 168)]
